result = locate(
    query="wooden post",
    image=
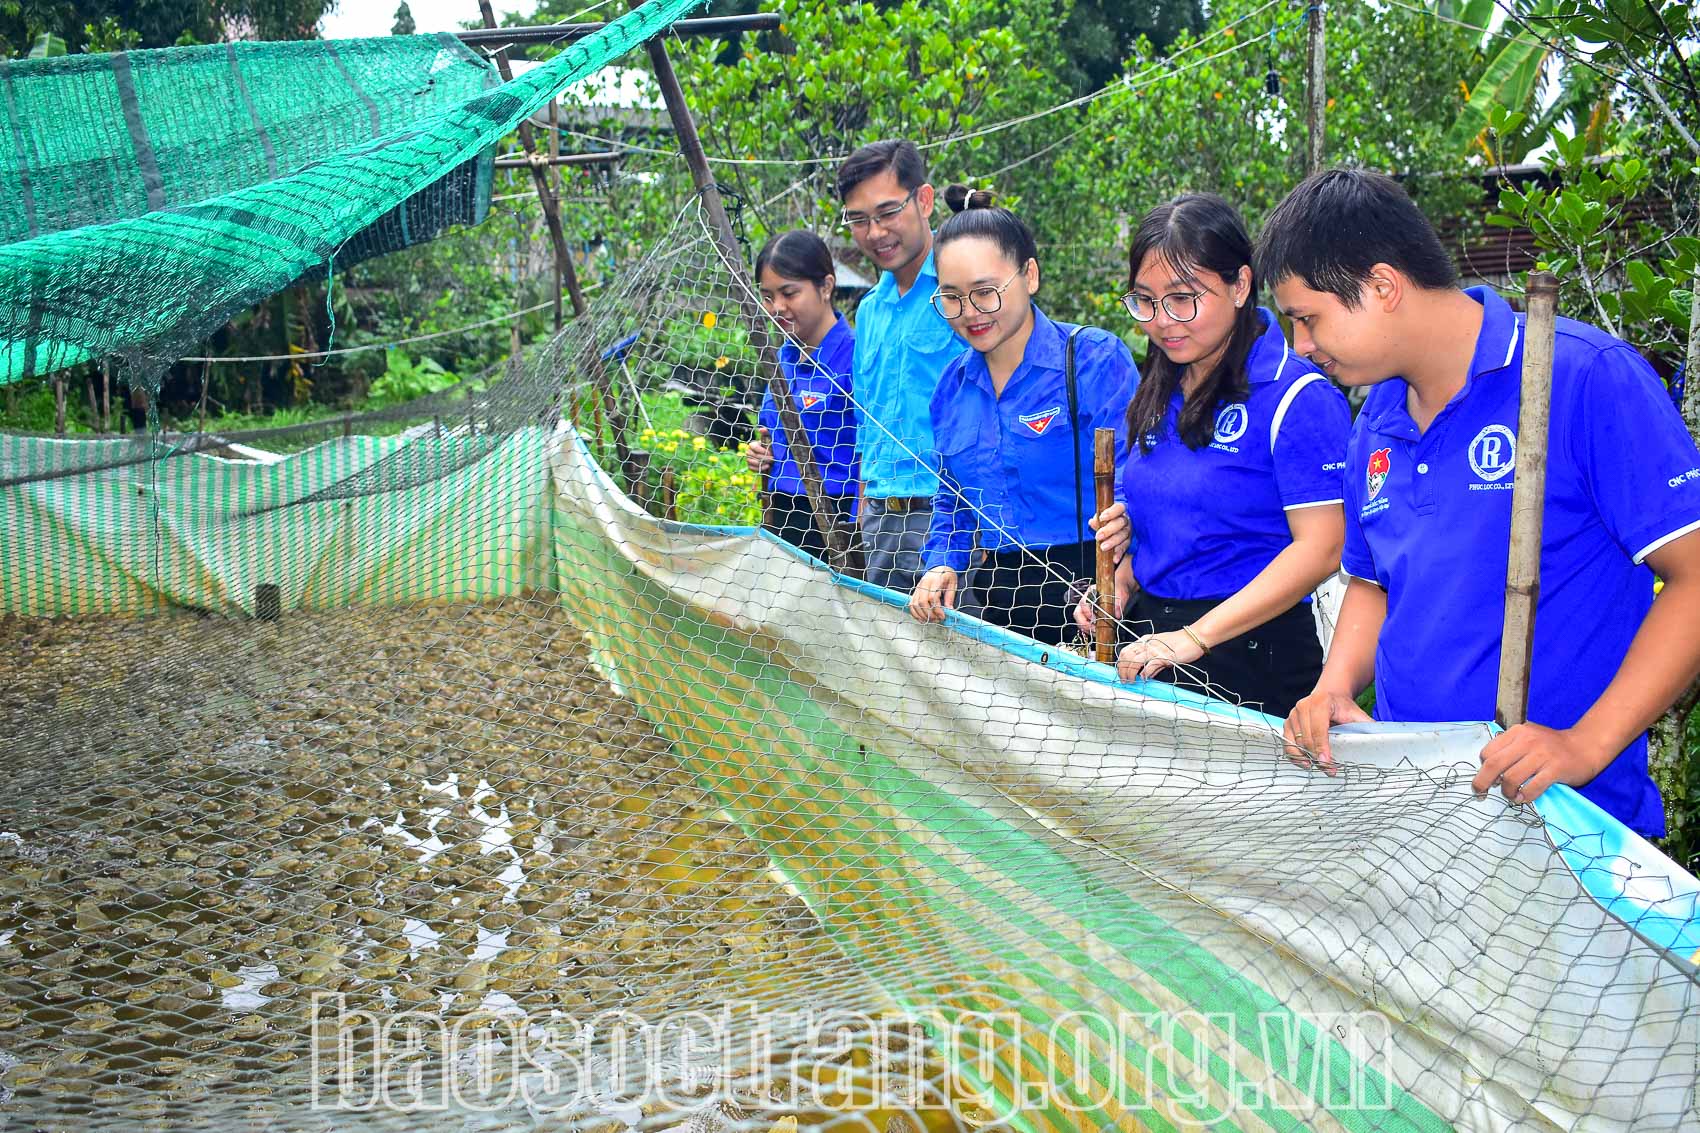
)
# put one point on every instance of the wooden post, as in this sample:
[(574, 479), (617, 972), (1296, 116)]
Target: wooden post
[(764, 493), (268, 602), (1104, 480), (564, 270), (59, 404), (105, 395), (669, 496), (1528, 498), (635, 468), (1316, 115), (720, 228)]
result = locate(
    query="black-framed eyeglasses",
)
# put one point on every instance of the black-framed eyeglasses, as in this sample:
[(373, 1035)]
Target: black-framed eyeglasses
[(986, 300), (1181, 306), (859, 221)]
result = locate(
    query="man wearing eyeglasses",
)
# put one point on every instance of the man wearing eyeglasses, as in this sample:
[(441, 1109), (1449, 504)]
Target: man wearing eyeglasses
[(902, 347)]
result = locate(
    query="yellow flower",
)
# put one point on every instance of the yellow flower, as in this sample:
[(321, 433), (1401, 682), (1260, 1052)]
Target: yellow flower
[(708, 319), (698, 443), (720, 362)]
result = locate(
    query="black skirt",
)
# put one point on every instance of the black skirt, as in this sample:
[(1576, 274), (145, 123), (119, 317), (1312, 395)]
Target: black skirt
[(1269, 668), (1033, 590)]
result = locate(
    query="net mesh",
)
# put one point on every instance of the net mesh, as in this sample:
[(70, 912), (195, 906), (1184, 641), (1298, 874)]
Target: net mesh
[(497, 773), (202, 181), (431, 782)]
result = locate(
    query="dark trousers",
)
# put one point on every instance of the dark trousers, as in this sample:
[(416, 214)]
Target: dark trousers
[(790, 517), (1032, 590), (1270, 668)]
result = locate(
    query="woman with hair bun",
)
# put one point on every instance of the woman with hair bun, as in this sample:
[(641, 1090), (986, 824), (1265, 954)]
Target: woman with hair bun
[(1013, 423), (794, 272), (1233, 473)]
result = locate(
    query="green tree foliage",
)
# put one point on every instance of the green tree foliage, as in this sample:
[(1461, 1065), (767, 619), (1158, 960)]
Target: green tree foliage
[(404, 24), (156, 23), (1224, 112)]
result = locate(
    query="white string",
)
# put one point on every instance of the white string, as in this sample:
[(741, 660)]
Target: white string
[(511, 315)]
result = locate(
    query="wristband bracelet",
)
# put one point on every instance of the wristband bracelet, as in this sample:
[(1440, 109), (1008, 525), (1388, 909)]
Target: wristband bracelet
[(1196, 640)]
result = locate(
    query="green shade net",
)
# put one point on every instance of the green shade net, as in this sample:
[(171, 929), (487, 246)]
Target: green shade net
[(152, 195)]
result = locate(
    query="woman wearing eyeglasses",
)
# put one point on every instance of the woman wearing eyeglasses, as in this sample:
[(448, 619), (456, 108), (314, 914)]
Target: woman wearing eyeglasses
[(1232, 477), (1015, 457)]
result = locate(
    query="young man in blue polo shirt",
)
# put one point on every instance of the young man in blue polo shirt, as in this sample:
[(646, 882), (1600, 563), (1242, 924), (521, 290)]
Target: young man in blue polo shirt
[(1374, 301), (902, 346)]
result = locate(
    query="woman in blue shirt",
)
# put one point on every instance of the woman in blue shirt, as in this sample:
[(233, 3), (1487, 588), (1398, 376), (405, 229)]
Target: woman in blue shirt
[(1233, 472), (795, 274), (1009, 446)]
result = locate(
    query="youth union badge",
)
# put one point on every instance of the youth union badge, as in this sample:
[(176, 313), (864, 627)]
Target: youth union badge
[(1040, 421), (1380, 464)]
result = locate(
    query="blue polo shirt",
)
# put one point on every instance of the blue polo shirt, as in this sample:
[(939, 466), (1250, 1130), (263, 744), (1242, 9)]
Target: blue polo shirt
[(820, 391), (1007, 463), (1208, 520), (1428, 519), (902, 346)]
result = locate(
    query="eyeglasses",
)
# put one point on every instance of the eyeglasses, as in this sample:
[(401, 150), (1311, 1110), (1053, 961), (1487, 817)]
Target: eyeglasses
[(1181, 306), (986, 300), (859, 221)]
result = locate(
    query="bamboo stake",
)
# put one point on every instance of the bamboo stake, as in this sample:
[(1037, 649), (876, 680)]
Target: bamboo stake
[(669, 495), (1104, 480), (1528, 498), (564, 270)]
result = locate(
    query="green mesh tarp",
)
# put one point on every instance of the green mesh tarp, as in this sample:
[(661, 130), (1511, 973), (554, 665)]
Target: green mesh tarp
[(140, 233), (93, 139)]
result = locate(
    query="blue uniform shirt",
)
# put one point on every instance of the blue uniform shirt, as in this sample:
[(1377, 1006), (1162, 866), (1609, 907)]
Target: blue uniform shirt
[(1428, 519), (1007, 462), (902, 346), (1207, 521), (820, 391)]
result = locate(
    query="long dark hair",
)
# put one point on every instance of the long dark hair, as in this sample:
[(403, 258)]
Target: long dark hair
[(796, 255), (977, 213), (1196, 232)]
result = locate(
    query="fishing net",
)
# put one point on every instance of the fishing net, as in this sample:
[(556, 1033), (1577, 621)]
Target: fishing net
[(498, 773), (429, 781)]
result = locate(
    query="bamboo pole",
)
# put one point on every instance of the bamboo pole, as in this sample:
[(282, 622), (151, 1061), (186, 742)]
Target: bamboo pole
[(594, 157), (1528, 498), (720, 228), (1104, 480), (564, 270), (712, 26), (1316, 111)]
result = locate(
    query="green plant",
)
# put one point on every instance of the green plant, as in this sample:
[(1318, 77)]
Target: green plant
[(1631, 278), (404, 380)]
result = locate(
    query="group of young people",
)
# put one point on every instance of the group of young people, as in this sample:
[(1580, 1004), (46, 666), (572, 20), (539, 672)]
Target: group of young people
[(955, 425)]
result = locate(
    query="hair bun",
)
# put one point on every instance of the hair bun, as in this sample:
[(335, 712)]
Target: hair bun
[(961, 198)]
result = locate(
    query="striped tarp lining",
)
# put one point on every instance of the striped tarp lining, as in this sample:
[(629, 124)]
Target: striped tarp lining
[(202, 532), (993, 829)]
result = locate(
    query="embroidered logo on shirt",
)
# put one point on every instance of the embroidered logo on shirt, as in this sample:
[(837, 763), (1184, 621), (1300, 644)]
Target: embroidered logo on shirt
[(1380, 464), (810, 400), (1041, 420), (1493, 454), (1231, 422)]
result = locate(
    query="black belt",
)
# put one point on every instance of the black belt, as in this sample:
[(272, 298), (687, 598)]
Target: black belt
[(903, 505)]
